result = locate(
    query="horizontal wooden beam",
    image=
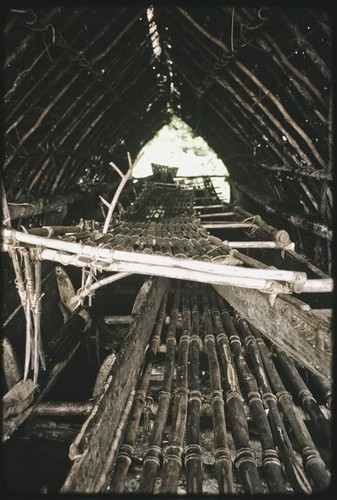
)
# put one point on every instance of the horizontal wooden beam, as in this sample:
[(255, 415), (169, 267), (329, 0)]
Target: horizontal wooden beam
[(57, 203), (297, 220), (160, 265)]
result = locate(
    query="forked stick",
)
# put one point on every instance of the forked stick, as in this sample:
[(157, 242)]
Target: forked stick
[(124, 180)]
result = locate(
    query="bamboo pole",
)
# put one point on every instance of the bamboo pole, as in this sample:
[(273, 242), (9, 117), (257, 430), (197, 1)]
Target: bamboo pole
[(192, 461), (154, 451), (324, 285), (173, 454), (125, 453), (312, 459), (293, 469), (30, 353), (216, 214), (89, 288), (244, 460), (270, 457), (308, 401), (227, 225), (259, 244), (280, 236), (63, 409), (109, 256), (222, 455)]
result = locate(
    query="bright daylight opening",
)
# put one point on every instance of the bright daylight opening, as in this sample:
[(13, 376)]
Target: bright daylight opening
[(177, 147)]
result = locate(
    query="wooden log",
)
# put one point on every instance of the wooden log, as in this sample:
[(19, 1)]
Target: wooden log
[(118, 320), (308, 401), (192, 452), (63, 409), (154, 452), (222, 455), (52, 431), (91, 450), (313, 462), (298, 220), (297, 257), (59, 352), (173, 454), (293, 469), (10, 364), (125, 453), (303, 336), (279, 236)]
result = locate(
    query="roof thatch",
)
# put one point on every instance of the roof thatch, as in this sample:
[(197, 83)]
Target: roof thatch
[(84, 84)]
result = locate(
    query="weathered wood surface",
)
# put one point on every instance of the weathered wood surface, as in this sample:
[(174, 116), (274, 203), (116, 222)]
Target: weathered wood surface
[(302, 335), (58, 354), (91, 450)]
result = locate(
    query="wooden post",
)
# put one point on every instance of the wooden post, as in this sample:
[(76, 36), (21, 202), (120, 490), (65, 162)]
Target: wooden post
[(91, 449)]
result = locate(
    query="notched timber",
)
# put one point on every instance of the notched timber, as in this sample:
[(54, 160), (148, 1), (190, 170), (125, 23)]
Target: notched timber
[(93, 446), (303, 336)]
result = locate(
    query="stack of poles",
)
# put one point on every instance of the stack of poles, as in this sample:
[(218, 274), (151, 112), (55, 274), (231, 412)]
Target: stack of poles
[(173, 454), (244, 460), (193, 461), (125, 454), (153, 455), (308, 402), (313, 463), (223, 462), (270, 459), (292, 467), (30, 295)]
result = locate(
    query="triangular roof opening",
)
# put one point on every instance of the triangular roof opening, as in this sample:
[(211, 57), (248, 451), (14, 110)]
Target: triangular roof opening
[(176, 146)]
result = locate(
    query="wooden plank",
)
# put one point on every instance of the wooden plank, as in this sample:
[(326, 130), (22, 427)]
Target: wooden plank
[(59, 352), (302, 335), (90, 451)]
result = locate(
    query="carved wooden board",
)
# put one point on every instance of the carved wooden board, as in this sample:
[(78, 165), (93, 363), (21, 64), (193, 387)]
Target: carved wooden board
[(303, 336)]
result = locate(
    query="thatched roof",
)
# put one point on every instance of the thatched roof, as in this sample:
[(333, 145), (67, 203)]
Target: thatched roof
[(86, 83)]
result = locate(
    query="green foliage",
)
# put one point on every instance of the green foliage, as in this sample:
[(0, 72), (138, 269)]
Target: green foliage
[(176, 146)]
